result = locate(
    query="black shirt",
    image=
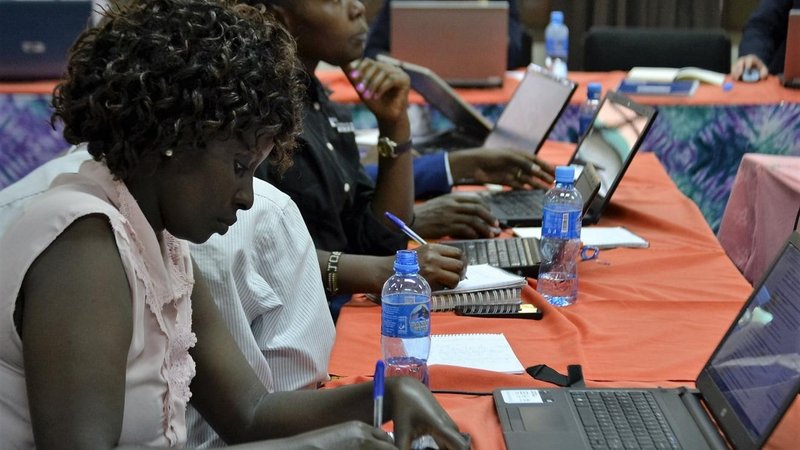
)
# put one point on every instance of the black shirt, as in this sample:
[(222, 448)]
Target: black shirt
[(329, 185)]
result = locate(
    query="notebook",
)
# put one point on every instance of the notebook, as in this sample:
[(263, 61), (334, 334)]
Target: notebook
[(466, 43), (745, 387), (484, 351), (537, 102), (600, 237), (677, 88), (791, 65), (482, 285), (35, 36), (524, 208)]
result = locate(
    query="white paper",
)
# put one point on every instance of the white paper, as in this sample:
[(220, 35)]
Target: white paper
[(480, 277), (485, 351), (600, 237)]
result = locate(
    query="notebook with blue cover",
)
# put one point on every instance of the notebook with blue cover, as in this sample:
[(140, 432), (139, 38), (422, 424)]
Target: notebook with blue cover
[(677, 88)]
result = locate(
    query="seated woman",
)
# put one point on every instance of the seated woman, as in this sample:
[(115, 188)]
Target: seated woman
[(105, 333)]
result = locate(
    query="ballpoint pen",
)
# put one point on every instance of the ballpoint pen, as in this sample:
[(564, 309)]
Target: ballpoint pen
[(405, 229), (377, 395)]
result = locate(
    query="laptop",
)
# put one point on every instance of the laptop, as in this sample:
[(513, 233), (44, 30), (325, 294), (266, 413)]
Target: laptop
[(35, 36), (791, 64), (517, 254), (537, 103), (612, 140), (742, 393), (465, 42)]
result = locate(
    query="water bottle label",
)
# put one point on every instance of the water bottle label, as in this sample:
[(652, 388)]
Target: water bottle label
[(561, 224), (583, 124), (556, 47), (406, 320)]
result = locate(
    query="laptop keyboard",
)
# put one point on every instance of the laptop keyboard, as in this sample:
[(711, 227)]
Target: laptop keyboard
[(518, 255), (517, 203), (624, 420)]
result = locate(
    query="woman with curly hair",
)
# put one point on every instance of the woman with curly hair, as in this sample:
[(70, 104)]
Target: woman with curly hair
[(105, 332)]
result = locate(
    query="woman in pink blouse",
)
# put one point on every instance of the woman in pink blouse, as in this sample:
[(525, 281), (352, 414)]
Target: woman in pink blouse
[(105, 334)]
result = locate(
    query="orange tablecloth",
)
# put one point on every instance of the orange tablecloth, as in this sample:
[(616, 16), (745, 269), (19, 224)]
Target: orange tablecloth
[(644, 317), (768, 91)]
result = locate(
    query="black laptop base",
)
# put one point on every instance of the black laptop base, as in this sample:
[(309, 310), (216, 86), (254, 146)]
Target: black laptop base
[(516, 255)]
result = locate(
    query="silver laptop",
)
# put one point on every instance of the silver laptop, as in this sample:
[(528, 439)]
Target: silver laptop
[(742, 393), (791, 64), (465, 42), (35, 36)]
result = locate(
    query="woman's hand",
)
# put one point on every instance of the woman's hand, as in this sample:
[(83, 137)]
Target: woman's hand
[(382, 87), (500, 166), (459, 215), (416, 412)]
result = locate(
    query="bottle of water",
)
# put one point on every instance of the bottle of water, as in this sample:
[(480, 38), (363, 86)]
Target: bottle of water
[(561, 240), (589, 108), (406, 319), (556, 43)]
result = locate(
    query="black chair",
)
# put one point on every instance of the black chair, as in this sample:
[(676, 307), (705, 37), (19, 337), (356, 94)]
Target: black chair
[(607, 48)]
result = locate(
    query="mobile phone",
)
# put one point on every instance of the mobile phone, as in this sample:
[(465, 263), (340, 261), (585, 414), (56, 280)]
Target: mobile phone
[(511, 311)]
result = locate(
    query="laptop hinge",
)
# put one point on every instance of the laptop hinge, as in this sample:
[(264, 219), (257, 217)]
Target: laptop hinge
[(691, 400)]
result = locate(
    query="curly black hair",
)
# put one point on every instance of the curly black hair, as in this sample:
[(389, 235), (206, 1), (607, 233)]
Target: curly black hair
[(174, 74)]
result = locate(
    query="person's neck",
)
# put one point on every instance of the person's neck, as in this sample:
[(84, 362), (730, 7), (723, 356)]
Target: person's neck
[(310, 65), (144, 192)]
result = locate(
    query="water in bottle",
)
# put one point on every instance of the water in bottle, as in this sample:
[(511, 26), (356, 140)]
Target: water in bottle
[(561, 240), (556, 43), (589, 108), (406, 319)]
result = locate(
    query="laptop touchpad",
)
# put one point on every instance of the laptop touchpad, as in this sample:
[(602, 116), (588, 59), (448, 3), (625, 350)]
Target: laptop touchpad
[(547, 417)]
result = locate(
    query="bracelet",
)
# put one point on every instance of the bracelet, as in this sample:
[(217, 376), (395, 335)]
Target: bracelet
[(332, 272)]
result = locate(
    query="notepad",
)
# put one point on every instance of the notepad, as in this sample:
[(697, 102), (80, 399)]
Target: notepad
[(484, 351), (600, 237), (677, 88), (483, 285)]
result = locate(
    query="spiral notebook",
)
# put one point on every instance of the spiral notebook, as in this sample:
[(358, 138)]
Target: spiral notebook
[(482, 285)]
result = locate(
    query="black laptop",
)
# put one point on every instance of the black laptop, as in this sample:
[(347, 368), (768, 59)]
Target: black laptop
[(742, 393), (612, 140), (35, 36), (521, 255)]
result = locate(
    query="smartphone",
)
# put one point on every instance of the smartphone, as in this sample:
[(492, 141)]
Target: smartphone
[(510, 311)]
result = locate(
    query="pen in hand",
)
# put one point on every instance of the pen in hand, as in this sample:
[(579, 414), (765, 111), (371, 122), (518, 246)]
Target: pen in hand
[(377, 395), (405, 229)]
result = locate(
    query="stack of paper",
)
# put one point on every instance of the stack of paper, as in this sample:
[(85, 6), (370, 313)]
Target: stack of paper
[(600, 237)]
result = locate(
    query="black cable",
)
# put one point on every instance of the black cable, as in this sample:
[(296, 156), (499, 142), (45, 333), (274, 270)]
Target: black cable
[(796, 220)]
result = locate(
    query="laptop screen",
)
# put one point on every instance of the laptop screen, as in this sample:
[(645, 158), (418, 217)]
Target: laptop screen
[(612, 140), (756, 368), (532, 111)]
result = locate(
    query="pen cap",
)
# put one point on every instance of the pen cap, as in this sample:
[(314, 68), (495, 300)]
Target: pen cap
[(405, 262)]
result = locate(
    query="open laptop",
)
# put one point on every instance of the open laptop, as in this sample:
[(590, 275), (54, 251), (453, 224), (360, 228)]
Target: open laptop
[(791, 64), (465, 42), (742, 393), (612, 140), (517, 254), (537, 103), (35, 36)]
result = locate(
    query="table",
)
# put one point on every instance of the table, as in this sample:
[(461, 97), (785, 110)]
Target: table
[(700, 140), (761, 211), (644, 317)]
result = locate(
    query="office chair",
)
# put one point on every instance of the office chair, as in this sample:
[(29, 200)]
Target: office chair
[(607, 48)]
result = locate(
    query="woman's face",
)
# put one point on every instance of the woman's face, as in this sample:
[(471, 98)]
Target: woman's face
[(199, 195), (334, 31)]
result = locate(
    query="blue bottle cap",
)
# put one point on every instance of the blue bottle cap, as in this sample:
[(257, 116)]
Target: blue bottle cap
[(565, 174), (727, 86), (593, 90), (557, 17), (406, 262)]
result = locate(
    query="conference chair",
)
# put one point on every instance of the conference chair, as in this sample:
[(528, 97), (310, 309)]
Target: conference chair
[(611, 48)]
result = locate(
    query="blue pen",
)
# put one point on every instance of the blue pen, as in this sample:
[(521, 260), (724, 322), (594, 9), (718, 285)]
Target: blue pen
[(405, 229), (377, 395)]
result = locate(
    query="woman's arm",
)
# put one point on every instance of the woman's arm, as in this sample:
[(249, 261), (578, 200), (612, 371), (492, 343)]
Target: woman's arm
[(76, 331)]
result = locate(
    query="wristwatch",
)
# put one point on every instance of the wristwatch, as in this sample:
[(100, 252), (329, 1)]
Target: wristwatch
[(388, 148)]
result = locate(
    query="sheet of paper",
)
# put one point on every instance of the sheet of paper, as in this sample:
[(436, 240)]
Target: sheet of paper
[(601, 237), (485, 351)]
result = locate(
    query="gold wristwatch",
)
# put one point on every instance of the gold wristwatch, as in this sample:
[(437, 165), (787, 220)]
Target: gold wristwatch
[(388, 148)]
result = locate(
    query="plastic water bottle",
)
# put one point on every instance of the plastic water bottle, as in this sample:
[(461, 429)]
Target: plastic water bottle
[(556, 43), (561, 240), (406, 319), (589, 108)]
